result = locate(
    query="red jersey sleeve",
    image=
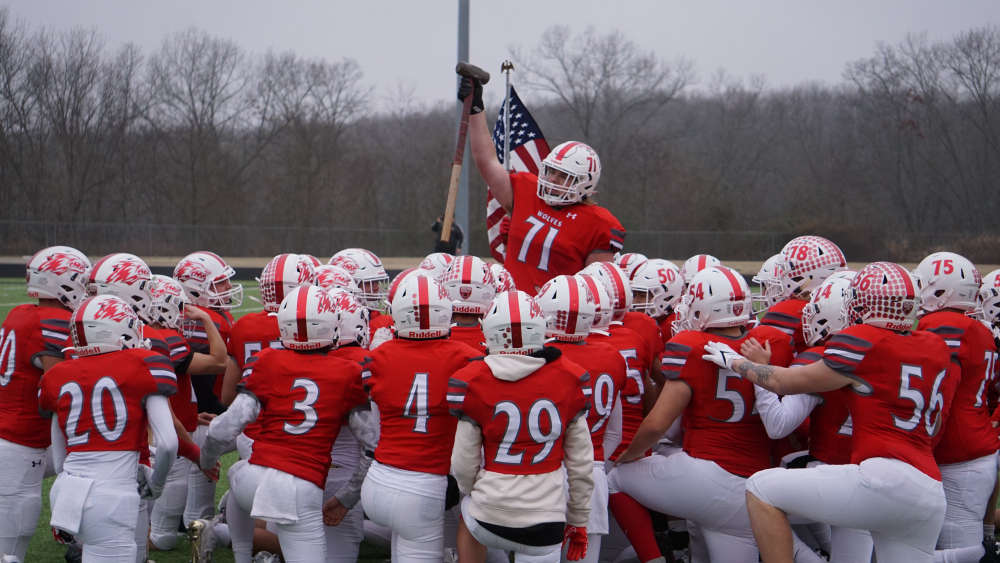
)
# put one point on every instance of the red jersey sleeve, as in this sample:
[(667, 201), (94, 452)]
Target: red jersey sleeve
[(55, 335), (782, 347), (162, 372)]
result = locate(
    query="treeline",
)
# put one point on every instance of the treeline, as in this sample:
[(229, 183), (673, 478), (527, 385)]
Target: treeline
[(201, 144)]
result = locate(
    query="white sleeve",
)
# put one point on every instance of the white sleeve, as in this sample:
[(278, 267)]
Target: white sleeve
[(578, 458), (466, 455), (161, 421), (225, 427), (613, 433), (364, 425), (58, 445), (782, 415)]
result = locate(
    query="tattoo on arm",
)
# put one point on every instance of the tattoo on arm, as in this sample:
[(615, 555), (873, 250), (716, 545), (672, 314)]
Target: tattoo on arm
[(755, 372)]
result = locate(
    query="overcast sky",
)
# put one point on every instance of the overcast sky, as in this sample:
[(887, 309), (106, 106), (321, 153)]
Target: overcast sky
[(410, 45)]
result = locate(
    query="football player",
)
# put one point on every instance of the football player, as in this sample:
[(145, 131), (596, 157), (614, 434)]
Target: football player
[(367, 270), (808, 261), (103, 401), (300, 395), (901, 392), (657, 287), (407, 379), (966, 454), (436, 265), (556, 228), (522, 434), (504, 281), (695, 264), (771, 290), (31, 341), (470, 285)]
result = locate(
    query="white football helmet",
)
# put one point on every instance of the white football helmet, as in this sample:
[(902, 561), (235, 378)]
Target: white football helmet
[(367, 270), (282, 274), (354, 317), (883, 295), (470, 285), (989, 297), (127, 276), (717, 297), (421, 308), (569, 174), (58, 272), (657, 286), (313, 260), (569, 308), (207, 279), (697, 263), (504, 281), (947, 280), (825, 314), (398, 280), (514, 324), (769, 280), (169, 299), (105, 323), (335, 277), (616, 284), (809, 260), (308, 319), (435, 265), (604, 310), (629, 262)]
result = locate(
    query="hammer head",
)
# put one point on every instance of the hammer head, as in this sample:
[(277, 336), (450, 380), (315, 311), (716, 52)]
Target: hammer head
[(472, 71)]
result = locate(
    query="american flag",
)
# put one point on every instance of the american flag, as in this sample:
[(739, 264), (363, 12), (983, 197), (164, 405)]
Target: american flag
[(527, 149)]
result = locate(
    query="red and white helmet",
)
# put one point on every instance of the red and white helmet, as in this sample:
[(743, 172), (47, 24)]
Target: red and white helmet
[(884, 295), (716, 297), (105, 323), (629, 262), (989, 297), (308, 319), (421, 309), (282, 274), (354, 317), (398, 280), (809, 260), (504, 281), (697, 263), (207, 279), (169, 299), (514, 324), (569, 308), (470, 285), (657, 286), (616, 284), (58, 272), (436, 264), (604, 310), (312, 259), (772, 289), (330, 277), (826, 314), (569, 174), (947, 280), (367, 270), (127, 276)]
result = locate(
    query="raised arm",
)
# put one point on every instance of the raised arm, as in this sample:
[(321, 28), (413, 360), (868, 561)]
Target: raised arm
[(481, 144)]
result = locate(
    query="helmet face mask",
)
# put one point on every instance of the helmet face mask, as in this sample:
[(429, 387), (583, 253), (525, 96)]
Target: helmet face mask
[(657, 287), (568, 174), (58, 272), (768, 280), (947, 280), (207, 280), (826, 314), (103, 324), (989, 298), (169, 299)]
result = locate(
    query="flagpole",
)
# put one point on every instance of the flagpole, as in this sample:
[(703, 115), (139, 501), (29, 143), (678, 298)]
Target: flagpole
[(505, 68)]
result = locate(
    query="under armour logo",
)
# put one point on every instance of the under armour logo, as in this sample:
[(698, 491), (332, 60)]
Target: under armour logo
[(36, 463), (571, 215)]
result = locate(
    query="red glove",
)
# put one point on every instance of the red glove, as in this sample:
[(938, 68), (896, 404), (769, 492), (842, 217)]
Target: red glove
[(575, 541)]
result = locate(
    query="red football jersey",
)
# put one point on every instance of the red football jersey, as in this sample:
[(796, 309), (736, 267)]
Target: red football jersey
[(28, 332), (408, 380), (667, 327), (252, 333), (304, 397), (968, 434), (646, 327), (207, 387), (830, 424), (607, 378), (720, 422), (901, 393), (522, 422), (546, 241), (471, 336), (169, 342), (786, 316), (100, 399), (637, 356)]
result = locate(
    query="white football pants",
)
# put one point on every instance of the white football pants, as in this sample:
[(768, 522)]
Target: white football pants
[(344, 539), (21, 472), (411, 504), (200, 502), (967, 489), (108, 521), (168, 509)]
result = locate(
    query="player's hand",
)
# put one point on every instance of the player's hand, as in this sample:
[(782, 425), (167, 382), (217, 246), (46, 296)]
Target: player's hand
[(470, 87), (206, 418), (575, 540), (721, 355), (333, 512), (144, 480), (753, 351), (213, 472), (196, 314)]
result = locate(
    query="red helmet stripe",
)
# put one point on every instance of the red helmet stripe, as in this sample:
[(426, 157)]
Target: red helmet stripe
[(423, 303), (80, 335), (702, 259), (738, 294), (466, 269), (906, 280), (97, 266), (279, 278), (301, 306), (592, 285), (616, 277), (574, 305), (515, 320), (566, 149)]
